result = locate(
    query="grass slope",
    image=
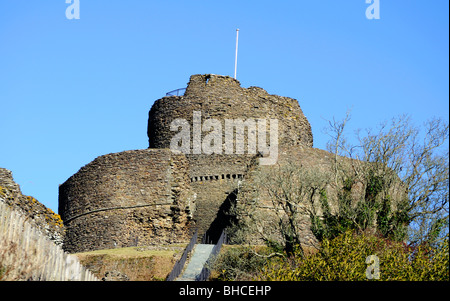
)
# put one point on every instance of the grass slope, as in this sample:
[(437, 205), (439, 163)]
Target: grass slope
[(147, 263)]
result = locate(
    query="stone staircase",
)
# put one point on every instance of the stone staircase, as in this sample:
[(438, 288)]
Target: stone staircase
[(200, 255)]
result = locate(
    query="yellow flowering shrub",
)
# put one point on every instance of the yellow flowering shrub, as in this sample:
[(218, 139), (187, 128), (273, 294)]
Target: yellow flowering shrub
[(53, 218), (347, 258)]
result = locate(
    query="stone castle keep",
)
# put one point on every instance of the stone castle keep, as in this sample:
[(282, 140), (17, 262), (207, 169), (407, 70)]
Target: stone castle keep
[(150, 196)]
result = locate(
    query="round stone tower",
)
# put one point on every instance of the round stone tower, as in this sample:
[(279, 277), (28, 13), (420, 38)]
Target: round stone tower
[(202, 146), (131, 198), (209, 102), (221, 97)]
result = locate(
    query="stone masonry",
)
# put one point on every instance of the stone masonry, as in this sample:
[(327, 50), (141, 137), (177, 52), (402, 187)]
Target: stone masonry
[(150, 196), (214, 177), (43, 218), (137, 197)]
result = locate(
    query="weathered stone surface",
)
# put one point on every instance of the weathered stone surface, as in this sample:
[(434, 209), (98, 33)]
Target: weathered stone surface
[(48, 222), (144, 197), (129, 198), (316, 168), (215, 176), (115, 276), (222, 97)]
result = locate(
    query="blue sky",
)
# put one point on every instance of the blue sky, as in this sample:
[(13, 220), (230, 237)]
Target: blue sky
[(72, 90)]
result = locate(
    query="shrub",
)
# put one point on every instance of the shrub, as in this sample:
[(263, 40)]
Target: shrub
[(238, 263), (369, 214), (344, 258)]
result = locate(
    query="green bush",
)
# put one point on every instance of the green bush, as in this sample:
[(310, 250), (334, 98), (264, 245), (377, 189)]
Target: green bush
[(368, 214)]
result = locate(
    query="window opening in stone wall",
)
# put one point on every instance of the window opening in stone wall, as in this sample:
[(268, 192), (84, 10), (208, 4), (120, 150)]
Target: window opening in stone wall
[(217, 177)]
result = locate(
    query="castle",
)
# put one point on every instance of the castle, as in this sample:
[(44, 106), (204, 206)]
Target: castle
[(156, 195)]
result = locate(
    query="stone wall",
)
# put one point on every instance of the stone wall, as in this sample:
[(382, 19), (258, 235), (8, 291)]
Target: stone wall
[(214, 177), (43, 218), (153, 196), (222, 97), (138, 197), (300, 169)]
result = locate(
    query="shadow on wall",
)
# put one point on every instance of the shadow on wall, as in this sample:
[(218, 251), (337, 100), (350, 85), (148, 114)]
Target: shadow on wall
[(223, 219)]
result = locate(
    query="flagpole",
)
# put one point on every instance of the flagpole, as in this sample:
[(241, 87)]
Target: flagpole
[(235, 59)]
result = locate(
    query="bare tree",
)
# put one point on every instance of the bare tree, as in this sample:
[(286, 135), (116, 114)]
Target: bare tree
[(393, 180), (338, 144), (418, 158), (278, 201)]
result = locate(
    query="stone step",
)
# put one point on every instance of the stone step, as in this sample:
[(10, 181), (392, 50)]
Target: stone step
[(199, 257)]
